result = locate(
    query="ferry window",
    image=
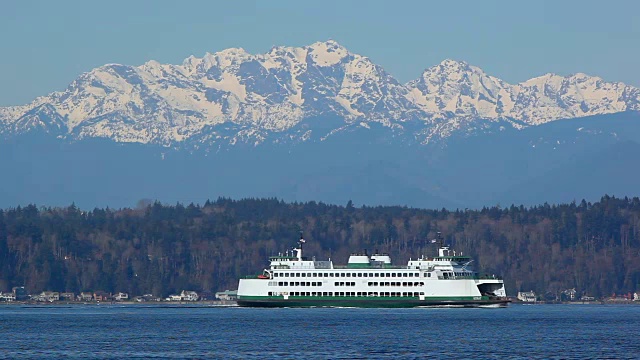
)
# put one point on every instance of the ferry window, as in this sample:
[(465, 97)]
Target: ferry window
[(308, 284), (359, 274), (326, 275), (341, 274), (270, 293), (297, 274), (314, 294), (421, 284), (280, 283), (421, 293), (410, 274), (393, 274), (348, 274), (429, 275), (303, 275)]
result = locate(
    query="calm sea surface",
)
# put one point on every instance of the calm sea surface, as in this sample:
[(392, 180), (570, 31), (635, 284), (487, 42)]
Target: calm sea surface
[(517, 332)]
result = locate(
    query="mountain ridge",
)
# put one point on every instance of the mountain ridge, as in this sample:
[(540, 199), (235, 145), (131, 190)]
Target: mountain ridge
[(232, 97)]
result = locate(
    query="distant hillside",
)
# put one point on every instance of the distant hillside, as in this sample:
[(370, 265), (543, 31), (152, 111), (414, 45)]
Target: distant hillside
[(560, 161), (161, 249)]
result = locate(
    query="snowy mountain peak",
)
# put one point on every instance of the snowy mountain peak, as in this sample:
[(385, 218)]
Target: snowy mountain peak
[(268, 97), (327, 53)]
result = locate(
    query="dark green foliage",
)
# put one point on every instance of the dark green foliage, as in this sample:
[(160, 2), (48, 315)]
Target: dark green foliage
[(161, 249)]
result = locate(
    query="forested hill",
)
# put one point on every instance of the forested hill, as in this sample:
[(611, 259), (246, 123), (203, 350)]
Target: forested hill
[(163, 249)]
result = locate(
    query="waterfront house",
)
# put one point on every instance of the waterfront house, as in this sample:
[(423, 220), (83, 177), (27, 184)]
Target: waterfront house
[(7, 296), (227, 295), (85, 296), (569, 295), (121, 296), (527, 296), (67, 296), (186, 295), (174, 298), (48, 296), (146, 297), (101, 296)]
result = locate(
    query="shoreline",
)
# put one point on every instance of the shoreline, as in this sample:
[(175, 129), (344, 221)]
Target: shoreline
[(128, 303)]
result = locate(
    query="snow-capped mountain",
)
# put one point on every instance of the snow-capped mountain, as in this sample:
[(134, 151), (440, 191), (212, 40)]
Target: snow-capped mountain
[(232, 96)]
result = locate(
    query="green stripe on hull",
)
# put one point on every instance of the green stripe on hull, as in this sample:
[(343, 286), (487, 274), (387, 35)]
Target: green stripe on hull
[(372, 302)]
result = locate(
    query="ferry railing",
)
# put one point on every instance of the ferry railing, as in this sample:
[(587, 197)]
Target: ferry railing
[(473, 277)]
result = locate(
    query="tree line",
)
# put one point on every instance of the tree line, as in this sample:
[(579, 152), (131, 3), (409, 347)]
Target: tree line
[(162, 249)]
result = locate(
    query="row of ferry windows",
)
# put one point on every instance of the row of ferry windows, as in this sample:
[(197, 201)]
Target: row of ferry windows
[(393, 283), (343, 283), (296, 283), (347, 293), (345, 274)]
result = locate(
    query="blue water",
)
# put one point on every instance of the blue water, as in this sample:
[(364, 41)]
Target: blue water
[(516, 332)]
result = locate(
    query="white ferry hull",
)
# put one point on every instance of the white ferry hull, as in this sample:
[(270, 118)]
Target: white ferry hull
[(462, 292)]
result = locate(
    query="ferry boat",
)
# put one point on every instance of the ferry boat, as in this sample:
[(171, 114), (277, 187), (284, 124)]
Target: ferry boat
[(371, 281)]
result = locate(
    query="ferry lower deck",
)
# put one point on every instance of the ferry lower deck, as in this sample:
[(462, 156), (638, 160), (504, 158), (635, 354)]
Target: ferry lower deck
[(370, 302)]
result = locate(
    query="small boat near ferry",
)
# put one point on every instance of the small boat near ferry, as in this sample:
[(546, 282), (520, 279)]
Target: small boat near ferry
[(371, 281)]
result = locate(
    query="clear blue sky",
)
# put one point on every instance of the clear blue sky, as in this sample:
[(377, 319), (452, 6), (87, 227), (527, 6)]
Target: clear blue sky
[(46, 44)]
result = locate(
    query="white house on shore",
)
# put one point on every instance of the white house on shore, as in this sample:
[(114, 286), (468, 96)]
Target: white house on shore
[(121, 296), (227, 295), (527, 296), (7, 296), (186, 295)]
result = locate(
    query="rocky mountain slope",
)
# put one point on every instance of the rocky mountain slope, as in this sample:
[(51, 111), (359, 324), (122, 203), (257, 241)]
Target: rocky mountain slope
[(232, 97)]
